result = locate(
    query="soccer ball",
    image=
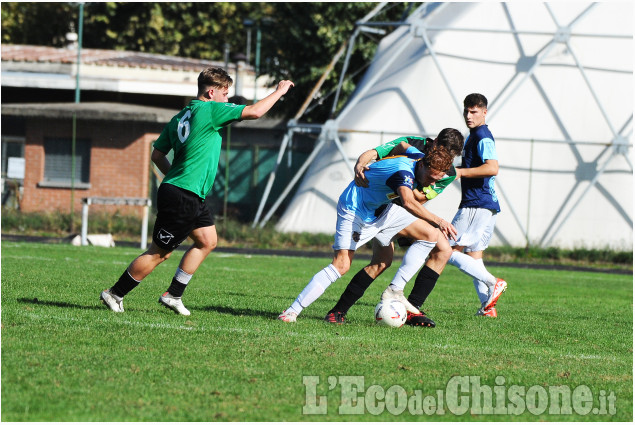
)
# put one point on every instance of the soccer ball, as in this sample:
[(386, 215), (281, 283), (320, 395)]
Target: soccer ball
[(390, 313)]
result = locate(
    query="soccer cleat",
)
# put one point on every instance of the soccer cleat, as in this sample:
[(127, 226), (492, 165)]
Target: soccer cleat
[(111, 300), (495, 293), (174, 303), (392, 294), (288, 316), (488, 313), (336, 317), (420, 319)]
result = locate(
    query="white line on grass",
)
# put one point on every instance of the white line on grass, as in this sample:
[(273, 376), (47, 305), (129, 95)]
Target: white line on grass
[(122, 322), (68, 259), (588, 357)]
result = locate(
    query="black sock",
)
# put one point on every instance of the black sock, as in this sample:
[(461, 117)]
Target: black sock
[(424, 284), (176, 288), (353, 292), (124, 285)]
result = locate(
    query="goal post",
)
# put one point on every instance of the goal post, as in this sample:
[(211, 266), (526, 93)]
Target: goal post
[(142, 202)]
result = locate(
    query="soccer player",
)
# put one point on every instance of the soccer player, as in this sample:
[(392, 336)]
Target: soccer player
[(194, 136), (476, 217), (364, 213), (382, 255)]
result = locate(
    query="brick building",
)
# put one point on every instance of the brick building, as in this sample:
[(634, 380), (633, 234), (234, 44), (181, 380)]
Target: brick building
[(126, 99), (113, 145)]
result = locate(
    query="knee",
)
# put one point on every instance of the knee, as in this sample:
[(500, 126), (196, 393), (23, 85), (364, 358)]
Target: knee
[(342, 268), (207, 244), (377, 268), (342, 265), (443, 253), (158, 254)]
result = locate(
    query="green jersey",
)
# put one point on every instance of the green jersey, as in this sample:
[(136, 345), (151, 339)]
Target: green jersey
[(194, 135), (432, 190)]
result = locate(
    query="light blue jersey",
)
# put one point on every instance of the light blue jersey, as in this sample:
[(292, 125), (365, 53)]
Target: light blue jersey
[(384, 177)]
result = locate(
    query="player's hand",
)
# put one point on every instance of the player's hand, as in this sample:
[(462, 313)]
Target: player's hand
[(356, 236), (458, 173), (448, 229), (360, 178), (284, 86)]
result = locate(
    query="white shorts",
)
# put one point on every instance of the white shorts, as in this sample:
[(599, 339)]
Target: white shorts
[(391, 221), (475, 227)]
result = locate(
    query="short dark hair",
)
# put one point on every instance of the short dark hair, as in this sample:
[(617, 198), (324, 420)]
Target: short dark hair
[(213, 77), (438, 157), (452, 140), (475, 99)]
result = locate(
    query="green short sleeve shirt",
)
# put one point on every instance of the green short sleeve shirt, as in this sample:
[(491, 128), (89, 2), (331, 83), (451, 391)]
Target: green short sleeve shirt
[(194, 135)]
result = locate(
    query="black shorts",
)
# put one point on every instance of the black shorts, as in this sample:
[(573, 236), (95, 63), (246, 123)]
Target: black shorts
[(179, 212)]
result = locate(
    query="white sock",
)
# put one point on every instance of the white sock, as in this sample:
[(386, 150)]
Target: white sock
[(412, 261), (182, 277), (472, 267), (482, 290), (315, 288)]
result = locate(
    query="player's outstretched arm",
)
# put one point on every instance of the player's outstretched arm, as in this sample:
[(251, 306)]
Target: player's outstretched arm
[(258, 109)]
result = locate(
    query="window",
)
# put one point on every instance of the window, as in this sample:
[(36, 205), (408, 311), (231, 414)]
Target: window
[(58, 164), (12, 147)]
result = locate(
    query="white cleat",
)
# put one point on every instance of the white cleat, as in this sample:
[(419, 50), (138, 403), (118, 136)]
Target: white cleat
[(494, 294), (174, 303), (391, 294), (112, 301), (288, 316)]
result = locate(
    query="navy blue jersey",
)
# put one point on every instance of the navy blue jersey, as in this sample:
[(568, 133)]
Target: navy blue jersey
[(479, 192)]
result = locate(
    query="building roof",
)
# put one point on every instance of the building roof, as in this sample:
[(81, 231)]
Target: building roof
[(112, 111), (118, 71), (113, 58), (90, 111)]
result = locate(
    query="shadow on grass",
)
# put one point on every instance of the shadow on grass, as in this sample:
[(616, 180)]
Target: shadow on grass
[(235, 311), (62, 304), (365, 301)]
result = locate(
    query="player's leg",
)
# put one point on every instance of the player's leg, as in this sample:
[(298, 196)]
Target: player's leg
[(141, 267), (341, 263), (426, 280), (205, 240), (475, 227), (424, 238), (381, 260), (471, 263), (473, 267), (190, 216)]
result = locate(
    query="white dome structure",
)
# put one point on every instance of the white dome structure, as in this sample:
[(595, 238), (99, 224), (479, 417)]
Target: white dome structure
[(559, 80)]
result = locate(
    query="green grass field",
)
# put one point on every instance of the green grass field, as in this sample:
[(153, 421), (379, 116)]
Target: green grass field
[(65, 357)]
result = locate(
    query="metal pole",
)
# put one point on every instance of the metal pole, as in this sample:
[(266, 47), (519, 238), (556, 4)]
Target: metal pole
[(226, 54), (257, 65), (248, 53), (294, 180), (227, 150), (144, 225), (272, 176), (74, 133), (85, 221)]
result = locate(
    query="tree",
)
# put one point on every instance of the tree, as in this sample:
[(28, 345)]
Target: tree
[(298, 39)]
